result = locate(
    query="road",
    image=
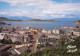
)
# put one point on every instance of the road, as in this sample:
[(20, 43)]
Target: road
[(35, 44)]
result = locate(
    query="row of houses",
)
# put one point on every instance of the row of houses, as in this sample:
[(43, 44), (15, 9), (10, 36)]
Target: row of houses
[(50, 38), (54, 31), (20, 34), (75, 30)]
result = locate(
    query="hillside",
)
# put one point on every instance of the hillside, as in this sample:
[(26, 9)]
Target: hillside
[(66, 19), (3, 19), (41, 20)]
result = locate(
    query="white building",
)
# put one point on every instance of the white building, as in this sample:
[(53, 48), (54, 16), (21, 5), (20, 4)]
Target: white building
[(58, 31), (44, 31), (2, 35), (54, 36)]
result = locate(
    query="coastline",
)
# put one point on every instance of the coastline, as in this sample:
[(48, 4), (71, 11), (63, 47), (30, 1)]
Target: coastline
[(34, 20), (2, 23), (5, 19), (77, 22)]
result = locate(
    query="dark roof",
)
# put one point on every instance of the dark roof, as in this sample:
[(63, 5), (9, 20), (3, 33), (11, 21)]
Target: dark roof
[(5, 53), (5, 31)]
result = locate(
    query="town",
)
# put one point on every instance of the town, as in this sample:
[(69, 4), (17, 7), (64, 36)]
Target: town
[(17, 40)]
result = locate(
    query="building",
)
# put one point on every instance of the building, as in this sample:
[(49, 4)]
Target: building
[(49, 32), (76, 32), (75, 26), (57, 31), (56, 36), (69, 33), (2, 35), (44, 40), (16, 38), (22, 32), (44, 31)]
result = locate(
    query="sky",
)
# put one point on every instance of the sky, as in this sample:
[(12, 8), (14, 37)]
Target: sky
[(40, 9)]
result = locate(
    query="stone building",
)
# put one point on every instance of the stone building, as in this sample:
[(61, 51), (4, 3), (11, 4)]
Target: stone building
[(44, 40), (56, 36), (2, 35), (16, 38), (76, 32), (58, 31)]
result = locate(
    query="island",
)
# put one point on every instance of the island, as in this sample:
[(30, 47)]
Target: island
[(41, 20), (5, 19), (3, 23)]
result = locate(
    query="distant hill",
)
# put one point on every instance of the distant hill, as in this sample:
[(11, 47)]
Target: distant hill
[(44, 20), (66, 19), (41, 20), (18, 18), (3, 19), (36, 19)]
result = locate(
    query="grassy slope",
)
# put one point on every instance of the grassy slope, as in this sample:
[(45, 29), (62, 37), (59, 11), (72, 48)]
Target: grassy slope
[(3, 19)]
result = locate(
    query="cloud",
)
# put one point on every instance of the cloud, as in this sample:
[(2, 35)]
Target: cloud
[(22, 13), (58, 11), (44, 9), (28, 2), (3, 13)]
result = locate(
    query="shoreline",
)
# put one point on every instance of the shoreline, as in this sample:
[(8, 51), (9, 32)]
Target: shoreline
[(39, 24), (3, 23), (34, 20), (77, 22)]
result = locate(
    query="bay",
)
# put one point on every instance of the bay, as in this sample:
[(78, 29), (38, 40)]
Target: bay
[(41, 24)]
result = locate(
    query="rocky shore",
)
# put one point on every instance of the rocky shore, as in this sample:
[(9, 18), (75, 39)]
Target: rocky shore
[(3, 23), (77, 22)]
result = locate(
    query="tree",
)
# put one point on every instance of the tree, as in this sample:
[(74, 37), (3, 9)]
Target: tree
[(59, 50), (48, 45), (6, 41), (76, 42), (61, 41), (40, 46)]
